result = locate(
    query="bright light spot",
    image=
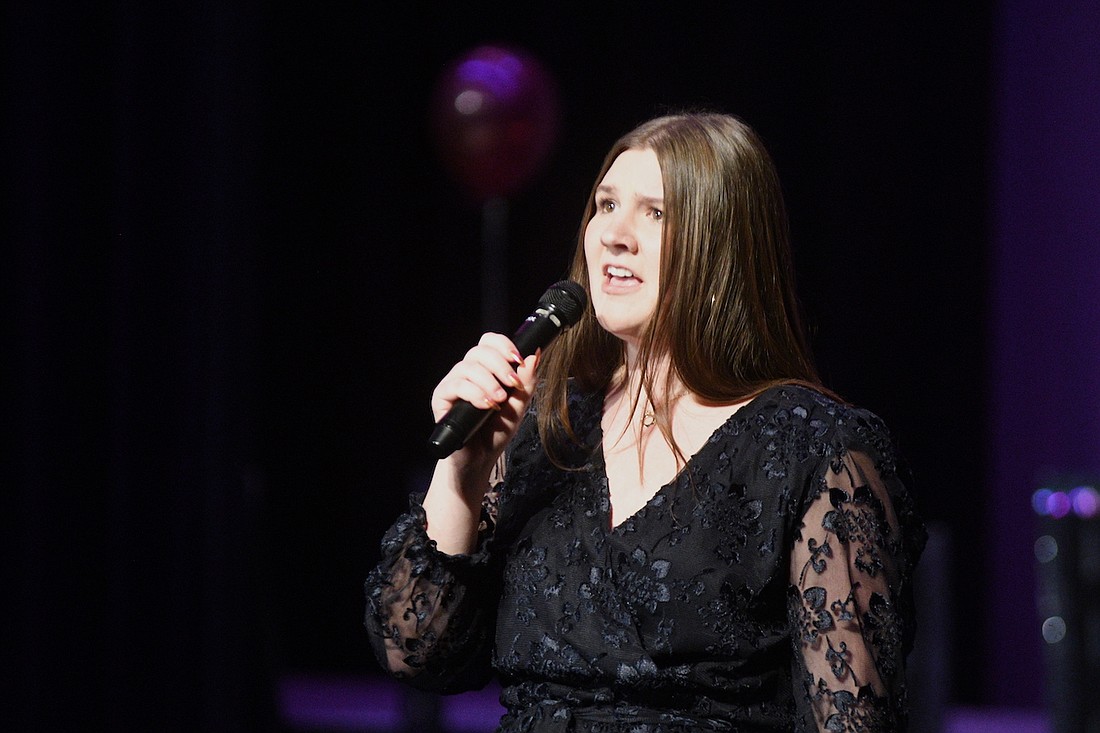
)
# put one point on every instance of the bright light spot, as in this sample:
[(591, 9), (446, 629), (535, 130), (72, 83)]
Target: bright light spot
[(1046, 548), (1054, 629), (469, 102), (1039, 501), (1086, 501), (1058, 505)]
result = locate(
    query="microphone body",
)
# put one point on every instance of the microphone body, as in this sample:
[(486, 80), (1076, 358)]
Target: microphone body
[(559, 308)]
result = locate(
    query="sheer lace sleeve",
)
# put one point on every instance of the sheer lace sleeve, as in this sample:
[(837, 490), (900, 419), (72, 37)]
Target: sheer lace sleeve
[(429, 615), (851, 622)]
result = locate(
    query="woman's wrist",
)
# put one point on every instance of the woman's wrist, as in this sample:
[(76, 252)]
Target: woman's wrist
[(452, 507)]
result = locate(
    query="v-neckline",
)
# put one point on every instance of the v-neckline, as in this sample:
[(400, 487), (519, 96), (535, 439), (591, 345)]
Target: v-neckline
[(606, 508)]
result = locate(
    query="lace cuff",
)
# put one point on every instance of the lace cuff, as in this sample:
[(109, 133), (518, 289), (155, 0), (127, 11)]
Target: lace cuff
[(430, 615)]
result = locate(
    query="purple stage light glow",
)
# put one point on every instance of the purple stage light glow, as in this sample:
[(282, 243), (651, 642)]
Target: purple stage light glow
[(1085, 501), (1039, 501), (498, 72), (495, 117), (1058, 504)]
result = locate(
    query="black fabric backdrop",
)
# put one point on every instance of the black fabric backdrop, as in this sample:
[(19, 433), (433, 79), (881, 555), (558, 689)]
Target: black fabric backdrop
[(236, 267)]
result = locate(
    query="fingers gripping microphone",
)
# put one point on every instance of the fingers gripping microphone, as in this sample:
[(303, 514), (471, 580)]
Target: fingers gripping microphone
[(559, 308)]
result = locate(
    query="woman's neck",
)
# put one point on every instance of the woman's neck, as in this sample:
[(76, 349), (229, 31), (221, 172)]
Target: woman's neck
[(641, 394)]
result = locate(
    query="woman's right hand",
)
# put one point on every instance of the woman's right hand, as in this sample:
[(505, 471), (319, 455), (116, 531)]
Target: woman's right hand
[(491, 376)]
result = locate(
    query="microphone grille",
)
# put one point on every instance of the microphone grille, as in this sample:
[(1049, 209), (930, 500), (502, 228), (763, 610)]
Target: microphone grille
[(567, 299)]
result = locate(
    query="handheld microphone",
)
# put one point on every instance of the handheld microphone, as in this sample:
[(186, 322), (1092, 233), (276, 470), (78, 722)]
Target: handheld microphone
[(560, 307)]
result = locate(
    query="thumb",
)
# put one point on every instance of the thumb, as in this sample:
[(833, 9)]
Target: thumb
[(526, 371)]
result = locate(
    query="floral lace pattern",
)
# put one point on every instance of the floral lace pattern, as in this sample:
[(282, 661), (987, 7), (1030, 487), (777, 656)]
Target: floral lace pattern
[(765, 588)]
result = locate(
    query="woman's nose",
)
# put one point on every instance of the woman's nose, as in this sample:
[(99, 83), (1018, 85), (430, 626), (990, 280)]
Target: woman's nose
[(619, 234)]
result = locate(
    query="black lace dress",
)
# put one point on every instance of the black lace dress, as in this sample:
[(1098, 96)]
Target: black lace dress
[(765, 588)]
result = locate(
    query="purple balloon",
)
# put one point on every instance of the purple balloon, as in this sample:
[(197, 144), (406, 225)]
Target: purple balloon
[(495, 119)]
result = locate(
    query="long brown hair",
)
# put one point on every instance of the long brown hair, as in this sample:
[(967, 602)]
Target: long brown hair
[(728, 320)]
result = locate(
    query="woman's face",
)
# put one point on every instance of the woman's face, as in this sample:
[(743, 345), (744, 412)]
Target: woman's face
[(622, 244)]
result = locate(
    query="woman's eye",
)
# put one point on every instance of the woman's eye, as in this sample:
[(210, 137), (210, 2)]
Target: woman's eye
[(605, 205), (657, 214)]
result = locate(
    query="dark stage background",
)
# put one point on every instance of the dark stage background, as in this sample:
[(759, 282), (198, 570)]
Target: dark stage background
[(237, 267)]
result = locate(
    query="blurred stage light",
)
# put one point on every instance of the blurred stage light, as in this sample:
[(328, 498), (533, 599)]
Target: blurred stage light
[(1067, 557)]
